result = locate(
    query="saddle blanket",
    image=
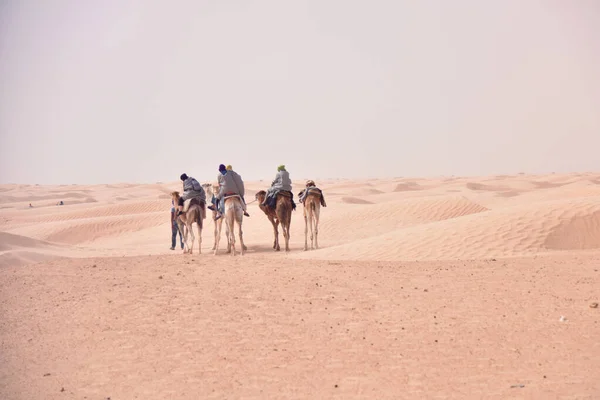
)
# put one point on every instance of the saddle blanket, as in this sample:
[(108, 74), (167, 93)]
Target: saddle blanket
[(194, 200), (228, 196), (271, 200)]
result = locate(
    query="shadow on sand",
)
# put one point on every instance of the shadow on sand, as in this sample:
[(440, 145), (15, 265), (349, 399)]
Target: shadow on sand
[(257, 249)]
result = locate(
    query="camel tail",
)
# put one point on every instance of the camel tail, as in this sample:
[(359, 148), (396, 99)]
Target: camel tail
[(199, 218), (282, 212)]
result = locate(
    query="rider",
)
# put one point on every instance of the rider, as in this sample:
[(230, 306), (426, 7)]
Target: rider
[(191, 189), (230, 182), (282, 182), (240, 183), (310, 184)]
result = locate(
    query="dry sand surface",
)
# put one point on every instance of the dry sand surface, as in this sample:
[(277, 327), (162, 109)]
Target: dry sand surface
[(422, 288)]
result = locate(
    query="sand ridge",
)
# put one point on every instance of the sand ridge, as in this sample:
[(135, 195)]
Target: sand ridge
[(376, 219)]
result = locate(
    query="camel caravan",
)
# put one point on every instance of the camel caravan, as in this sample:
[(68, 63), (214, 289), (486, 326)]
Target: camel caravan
[(227, 204)]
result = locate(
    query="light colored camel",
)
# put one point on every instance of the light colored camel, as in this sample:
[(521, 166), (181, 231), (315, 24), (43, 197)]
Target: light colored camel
[(196, 212), (282, 214), (234, 212), (312, 210), (212, 192)]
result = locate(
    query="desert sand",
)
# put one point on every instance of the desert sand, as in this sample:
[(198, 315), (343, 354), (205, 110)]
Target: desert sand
[(449, 287)]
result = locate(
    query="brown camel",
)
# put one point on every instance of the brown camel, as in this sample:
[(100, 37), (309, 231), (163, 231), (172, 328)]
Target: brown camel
[(281, 214), (196, 212), (311, 200), (234, 212)]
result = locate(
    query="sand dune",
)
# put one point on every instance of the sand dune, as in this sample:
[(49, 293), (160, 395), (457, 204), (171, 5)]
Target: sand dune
[(367, 191), (17, 250), (89, 231), (508, 193), (469, 272), (20, 257), (506, 232), (547, 184), (481, 186), (375, 219), (358, 222), (402, 187), (9, 241), (37, 198), (355, 200), (437, 208), (577, 231)]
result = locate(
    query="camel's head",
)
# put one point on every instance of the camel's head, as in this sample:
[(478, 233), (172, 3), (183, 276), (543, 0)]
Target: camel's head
[(175, 196), (260, 195), (208, 188)]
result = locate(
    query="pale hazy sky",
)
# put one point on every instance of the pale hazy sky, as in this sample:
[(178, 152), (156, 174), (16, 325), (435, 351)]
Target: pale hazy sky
[(96, 91)]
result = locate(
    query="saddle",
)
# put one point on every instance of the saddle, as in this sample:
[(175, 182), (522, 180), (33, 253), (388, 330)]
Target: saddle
[(196, 201), (285, 193), (314, 190), (230, 195), (271, 201)]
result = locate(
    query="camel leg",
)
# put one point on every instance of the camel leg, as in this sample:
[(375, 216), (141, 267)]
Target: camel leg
[(310, 225), (288, 231), (305, 231), (241, 234), (244, 248), (199, 223), (217, 238), (286, 236), (187, 235), (218, 228), (191, 230), (215, 223), (317, 212), (275, 234), (230, 221), (228, 237), (183, 227), (199, 239), (182, 232)]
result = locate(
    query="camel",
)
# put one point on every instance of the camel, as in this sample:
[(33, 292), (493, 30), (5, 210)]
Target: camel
[(212, 192), (196, 212), (281, 214), (312, 209), (234, 212)]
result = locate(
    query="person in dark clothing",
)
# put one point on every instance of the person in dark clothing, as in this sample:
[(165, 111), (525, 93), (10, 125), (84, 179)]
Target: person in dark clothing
[(174, 228), (191, 189)]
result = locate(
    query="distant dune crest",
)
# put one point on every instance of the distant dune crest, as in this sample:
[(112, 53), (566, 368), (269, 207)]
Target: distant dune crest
[(379, 219)]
